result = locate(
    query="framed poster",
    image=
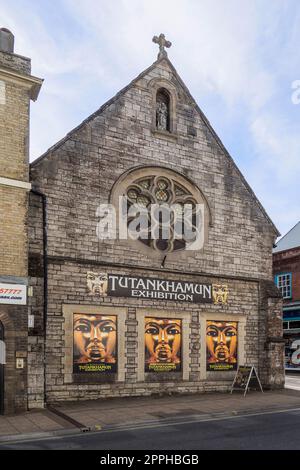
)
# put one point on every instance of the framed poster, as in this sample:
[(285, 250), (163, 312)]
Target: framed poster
[(163, 344), (94, 343), (221, 345)]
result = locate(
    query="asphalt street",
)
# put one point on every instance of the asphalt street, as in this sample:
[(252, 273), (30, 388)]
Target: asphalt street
[(269, 431)]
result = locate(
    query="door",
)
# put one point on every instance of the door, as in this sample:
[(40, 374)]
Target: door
[(2, 362)]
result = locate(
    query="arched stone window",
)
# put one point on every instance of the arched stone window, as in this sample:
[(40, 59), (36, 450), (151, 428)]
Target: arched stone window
[(161, 188), (163, 110)]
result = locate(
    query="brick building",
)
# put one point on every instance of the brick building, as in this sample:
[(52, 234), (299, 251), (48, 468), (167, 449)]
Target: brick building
[(286, 268), (119, 317), (17, 88)]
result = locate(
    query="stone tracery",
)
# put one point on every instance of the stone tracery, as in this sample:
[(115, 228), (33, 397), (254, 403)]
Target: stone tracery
[(162, 191)]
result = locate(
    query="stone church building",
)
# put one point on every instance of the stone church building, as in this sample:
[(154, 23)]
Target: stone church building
[(115, 317)]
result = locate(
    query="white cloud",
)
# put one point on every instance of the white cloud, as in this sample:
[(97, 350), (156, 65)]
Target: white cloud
[(278, 146), (274, 171), (214, 43)]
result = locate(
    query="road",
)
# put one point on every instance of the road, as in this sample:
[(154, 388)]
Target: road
[(272, 430)]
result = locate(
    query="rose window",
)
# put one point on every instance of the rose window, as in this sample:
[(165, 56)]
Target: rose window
[(157, 195)]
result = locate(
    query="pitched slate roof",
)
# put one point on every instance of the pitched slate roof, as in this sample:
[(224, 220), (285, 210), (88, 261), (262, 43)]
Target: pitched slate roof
[(290, 240)]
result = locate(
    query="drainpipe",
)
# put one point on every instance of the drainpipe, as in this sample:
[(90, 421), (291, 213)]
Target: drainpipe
[(2, 363), (45, 274)]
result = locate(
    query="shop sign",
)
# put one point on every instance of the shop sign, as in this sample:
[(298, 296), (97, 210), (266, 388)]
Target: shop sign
[(116, 285), (14, 294)]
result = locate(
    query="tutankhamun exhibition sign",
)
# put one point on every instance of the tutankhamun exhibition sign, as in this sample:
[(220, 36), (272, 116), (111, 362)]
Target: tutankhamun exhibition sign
[(113, 285)]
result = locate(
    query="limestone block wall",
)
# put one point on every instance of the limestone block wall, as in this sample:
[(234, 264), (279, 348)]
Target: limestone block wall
[(78, 174), (14, 120), (68, 293), (14, 139)]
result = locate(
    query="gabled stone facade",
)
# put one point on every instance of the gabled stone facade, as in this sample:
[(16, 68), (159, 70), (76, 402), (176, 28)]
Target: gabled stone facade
[(82, 171)]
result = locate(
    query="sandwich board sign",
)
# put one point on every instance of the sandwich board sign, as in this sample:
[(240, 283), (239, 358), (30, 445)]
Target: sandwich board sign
[(246, 378)]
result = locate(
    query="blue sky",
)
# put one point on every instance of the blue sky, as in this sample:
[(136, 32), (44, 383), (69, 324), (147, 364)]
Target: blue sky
[(239, 60)]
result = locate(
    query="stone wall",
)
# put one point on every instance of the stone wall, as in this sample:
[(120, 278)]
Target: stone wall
[(15, 94), (14, 319), (67, 286), (14, 120), (13, 231), (16, 62), (14, 132), (14, 138), (79, 172), (271, 338)]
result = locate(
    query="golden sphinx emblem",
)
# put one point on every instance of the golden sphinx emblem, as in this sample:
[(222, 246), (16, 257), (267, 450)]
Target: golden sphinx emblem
[(220, 293), (97, 283)]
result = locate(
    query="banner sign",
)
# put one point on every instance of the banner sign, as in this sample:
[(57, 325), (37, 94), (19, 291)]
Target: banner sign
[(14, 294), (162, 344), (245, 379), (115, 285), (221, 345), (94, 343)]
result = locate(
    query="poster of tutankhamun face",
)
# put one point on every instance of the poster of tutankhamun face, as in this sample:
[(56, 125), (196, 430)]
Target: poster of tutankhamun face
[(221, 345), (162, 344), (94, 343)]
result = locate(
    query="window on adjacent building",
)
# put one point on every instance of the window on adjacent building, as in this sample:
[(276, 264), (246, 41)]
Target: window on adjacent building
[(284, 284)]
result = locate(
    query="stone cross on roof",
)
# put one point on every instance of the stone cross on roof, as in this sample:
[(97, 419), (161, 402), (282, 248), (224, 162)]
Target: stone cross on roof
[(162, 42)]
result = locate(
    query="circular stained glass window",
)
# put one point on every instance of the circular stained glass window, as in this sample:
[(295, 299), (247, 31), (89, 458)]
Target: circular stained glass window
[(161, 190)]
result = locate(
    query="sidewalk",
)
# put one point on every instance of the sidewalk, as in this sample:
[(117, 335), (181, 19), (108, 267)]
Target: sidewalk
[(36, 422), (68, 418)]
